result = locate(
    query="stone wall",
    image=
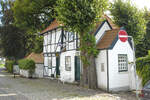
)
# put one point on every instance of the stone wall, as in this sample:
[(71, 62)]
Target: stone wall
[(38, 72), (24, 73)]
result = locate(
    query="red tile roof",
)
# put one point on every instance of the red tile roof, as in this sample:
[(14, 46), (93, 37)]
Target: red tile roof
[(107, 39), (52, 26), (55, 24), (114, 26), (37, 58)]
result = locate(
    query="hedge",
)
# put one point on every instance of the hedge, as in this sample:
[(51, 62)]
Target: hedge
[(9, 65), (143, 68), (27, 64)]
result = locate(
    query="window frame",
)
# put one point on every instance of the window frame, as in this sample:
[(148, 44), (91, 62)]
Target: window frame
[(122, 62), (66, 65)]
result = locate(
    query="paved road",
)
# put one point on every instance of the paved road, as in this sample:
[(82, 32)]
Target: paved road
[(45, 89), (7, 93)]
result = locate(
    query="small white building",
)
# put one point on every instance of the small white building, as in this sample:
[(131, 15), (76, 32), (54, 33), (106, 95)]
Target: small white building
[(114, 71), (62, 56), (39, 63)]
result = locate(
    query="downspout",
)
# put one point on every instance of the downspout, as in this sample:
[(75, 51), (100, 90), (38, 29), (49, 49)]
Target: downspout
[(107, 70)]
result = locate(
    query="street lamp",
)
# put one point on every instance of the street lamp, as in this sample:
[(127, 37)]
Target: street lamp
[(134, 63)]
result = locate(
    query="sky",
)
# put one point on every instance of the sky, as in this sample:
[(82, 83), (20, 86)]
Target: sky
[(140, 3)]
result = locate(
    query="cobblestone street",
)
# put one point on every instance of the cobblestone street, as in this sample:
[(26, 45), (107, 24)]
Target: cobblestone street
[(45, 89)]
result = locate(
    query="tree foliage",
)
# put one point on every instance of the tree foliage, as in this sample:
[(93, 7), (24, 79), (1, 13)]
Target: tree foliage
[(6, 12), (11, 37), (16, 42), (143, 68), (144, 45), (11, 43), (80, 17), (33, 14), (125, 14)]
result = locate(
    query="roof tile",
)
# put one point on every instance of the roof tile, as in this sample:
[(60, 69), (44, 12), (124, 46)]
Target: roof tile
[(107, 39), (37, 58), (52, 26), (55, 24)]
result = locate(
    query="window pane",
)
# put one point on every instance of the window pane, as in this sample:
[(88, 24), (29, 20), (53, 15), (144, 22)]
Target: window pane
[(68, 63), (122, 62)]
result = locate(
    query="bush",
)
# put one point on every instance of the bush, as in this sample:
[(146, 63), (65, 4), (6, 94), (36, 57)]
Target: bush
[(9, 65), (143, 68), (27, 64)]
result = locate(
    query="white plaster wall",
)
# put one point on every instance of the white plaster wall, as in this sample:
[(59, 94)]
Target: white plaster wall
[(37, 74), (51, 71), (53, 37), (47, 40), (102, 76), (45, 61), (46, 70), (39, 70), (16, 69), (70, 45), (67, 76), (51, 49), (24, 73), (119, 80), (102, 31)]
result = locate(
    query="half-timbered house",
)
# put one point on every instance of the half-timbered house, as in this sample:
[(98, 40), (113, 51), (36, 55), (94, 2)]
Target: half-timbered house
[(62, 56)]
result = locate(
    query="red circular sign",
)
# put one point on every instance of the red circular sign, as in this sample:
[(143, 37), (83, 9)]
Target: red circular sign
[(123, 36)]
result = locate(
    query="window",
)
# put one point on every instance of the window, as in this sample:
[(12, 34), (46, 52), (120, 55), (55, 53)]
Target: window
[(102, 67), (49, 62), (122, 63), (148, 86), (68, 63), (70, 36), (49, 38)]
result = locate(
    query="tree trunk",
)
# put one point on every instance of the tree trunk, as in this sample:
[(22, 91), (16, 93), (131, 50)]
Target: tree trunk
[(92, 73), (89, 74)]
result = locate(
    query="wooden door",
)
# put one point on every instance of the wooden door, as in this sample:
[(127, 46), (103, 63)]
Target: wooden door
[(57, 65), (77, 68)]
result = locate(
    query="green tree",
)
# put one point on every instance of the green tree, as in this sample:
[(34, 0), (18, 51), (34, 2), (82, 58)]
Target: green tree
[(11, 37), (38, 44), (129, 16), (33, 14), (144, 45), (80, 17), (6, 12), (11, 42)]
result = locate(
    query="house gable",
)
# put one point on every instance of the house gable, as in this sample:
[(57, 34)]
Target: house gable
[(54, 25), (110, 39), (104, 26)]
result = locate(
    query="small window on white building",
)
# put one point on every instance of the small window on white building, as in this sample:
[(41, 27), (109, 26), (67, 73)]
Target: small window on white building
[(68, 63), (122, 63), (102, 67)]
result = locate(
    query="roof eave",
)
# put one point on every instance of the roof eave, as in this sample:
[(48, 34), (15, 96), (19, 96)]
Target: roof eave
[(49, 30)]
